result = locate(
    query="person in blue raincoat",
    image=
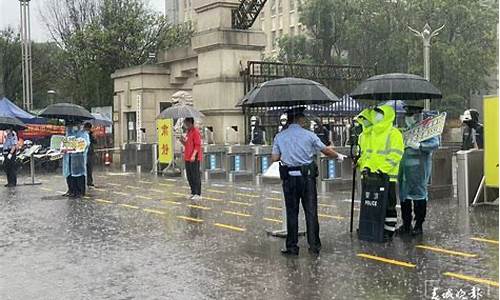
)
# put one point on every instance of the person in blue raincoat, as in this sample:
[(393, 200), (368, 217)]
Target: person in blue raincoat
[(75, 164), (414, 174)]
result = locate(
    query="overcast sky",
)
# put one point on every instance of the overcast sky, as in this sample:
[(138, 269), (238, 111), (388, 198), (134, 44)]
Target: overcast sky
[(9, 16)]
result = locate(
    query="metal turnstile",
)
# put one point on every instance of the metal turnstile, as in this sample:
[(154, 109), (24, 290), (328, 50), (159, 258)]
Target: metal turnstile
[(334, 175), (261, 162), (213, 165), (239, 163), (469, 175)]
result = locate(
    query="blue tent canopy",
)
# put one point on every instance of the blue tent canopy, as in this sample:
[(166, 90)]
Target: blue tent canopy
[(9, 109)]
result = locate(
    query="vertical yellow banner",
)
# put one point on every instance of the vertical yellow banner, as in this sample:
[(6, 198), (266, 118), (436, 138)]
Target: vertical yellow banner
[(165, 140), (490, 108)]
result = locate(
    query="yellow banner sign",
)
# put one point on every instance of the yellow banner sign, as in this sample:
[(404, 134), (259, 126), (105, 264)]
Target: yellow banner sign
[(490, 108), (165, 140)]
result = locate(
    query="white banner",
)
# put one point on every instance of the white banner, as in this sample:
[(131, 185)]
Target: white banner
[(425, 129)]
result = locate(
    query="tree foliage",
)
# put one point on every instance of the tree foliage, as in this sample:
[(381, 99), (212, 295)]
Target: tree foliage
[(375, 33)]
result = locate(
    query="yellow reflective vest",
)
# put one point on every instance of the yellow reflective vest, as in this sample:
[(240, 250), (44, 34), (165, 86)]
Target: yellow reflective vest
[(382, 145)]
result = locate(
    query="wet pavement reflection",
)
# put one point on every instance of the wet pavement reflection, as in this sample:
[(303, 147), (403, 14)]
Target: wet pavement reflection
[(138, 237)]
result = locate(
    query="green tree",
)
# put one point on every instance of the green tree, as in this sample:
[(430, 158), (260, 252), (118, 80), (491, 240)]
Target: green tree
[(375, 33)]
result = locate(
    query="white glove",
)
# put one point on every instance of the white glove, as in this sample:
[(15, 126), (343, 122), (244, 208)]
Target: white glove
[(341, 157), (9, 156)]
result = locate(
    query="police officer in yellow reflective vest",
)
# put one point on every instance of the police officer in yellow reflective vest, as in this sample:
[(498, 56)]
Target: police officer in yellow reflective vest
[(382, 148), (295, 147)]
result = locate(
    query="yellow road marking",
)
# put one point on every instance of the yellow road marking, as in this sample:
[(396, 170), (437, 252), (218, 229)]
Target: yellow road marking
[(46, 189), (133, 187), (115, 184), (387, 260), (441, 250), (154, 211), (326, 205), (235, 228), (120, 193), (155, 190), (248, 195), (103, 201), (129, 206), (274, 208), (216, 191), (212, 199), (471, 279), (272, 220), (241, 203), (275, 199), (86, 197), (144, 181), (98, 189), (168, 179), (236, 213), (179, 194), (144, 197), (330, 217), (484, 240), (190, 219), (198, 206), (171, 202), (165, 184)]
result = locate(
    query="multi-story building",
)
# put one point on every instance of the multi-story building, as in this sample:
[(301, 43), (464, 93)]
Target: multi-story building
[(278, 18)]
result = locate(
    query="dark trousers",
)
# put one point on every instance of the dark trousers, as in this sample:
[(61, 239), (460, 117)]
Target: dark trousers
[(194, 176), (10, 168), (420, 208), (76, 185), (297, 189), (391, 214), (90, 168)]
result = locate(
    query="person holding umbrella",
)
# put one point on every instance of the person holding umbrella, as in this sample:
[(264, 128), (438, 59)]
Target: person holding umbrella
[(9, 152), (75, 164), (414, 174), (295, 149)]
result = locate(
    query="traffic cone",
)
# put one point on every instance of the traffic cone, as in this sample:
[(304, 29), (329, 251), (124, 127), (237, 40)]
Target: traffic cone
[(107, 159)]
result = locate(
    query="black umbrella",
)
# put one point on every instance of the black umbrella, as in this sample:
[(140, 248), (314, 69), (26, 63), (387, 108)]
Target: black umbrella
[(8, 123), (396, 86), (287, 92), (179, 111), (66, 111)]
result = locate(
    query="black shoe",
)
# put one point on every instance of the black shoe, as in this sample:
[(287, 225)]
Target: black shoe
[(404, 230), (289, 252), (387, 237), (314, 251), (67, 194), (417, 231), (10, 185), (91, 184)]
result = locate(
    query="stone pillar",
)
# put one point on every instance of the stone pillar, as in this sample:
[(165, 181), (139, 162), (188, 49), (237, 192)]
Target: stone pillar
[(222, 54)]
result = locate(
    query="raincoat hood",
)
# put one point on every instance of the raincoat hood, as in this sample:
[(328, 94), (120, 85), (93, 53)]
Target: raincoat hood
[(365, 118), (387, 121)]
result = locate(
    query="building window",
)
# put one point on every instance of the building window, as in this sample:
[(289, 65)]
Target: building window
[(292, 5), (131, 127), (280, 34), (280, 6), (273, 7), (292, 31), (292, 19), (273, 39)]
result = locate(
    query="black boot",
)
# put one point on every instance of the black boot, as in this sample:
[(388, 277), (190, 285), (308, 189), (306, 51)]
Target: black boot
[(406, 216), (420, 212)]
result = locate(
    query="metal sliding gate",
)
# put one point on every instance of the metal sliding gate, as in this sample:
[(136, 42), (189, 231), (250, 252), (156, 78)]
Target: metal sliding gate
[(340, 79)]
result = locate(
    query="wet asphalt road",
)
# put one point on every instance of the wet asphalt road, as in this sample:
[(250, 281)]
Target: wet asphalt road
[(138, 237)]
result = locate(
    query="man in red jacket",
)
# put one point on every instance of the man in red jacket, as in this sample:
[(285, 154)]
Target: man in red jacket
[(192, 157)]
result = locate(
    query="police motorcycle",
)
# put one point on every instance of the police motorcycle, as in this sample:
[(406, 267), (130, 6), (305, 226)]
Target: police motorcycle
[(45, 158)]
